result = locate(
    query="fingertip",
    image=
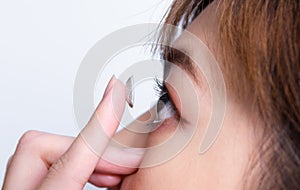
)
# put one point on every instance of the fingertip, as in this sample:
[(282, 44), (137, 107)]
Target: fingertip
[(111, 108), (110, 85), (104, 180)]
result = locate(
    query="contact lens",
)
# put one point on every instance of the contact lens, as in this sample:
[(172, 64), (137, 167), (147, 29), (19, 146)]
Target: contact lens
[(130, 91)]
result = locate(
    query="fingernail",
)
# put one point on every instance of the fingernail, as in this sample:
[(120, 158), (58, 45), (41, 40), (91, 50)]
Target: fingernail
[(110, 85)]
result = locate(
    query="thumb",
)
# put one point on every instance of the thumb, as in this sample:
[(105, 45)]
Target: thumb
[(75, 166)]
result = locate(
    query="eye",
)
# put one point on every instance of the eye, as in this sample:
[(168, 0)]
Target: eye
[(165, 105)]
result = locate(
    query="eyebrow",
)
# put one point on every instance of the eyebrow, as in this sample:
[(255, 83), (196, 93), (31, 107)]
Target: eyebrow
[(179, 57)]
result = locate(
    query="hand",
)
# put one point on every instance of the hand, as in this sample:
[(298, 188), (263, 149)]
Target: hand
[(47, 161)]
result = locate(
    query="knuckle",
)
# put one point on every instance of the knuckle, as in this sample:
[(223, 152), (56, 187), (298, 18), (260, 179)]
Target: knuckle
[(28, 136), (28, 140)]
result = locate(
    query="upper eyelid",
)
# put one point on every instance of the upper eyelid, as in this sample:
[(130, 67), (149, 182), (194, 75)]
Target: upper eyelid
[(180, 58), (173, 54)]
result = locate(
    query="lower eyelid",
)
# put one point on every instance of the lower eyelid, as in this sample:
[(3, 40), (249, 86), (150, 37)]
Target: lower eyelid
[(170, 125)]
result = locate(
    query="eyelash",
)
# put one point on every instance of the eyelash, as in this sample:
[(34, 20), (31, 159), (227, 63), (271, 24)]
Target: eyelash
[(168, 110)]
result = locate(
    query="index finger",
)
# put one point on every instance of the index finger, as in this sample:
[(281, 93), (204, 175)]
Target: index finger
[(74, 168)]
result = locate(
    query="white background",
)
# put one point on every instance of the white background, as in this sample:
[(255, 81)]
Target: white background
[(41, 46)]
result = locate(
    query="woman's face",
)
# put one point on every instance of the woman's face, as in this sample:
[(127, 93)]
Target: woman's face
[(225, 162)]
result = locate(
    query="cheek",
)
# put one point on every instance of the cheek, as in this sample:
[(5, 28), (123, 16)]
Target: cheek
[(174, 174), (221, 167)]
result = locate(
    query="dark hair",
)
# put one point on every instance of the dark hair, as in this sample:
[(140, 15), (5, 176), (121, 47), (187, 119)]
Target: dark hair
[(260, 44)]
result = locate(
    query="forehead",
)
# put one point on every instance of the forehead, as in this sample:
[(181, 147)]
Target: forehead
[(203, 27)]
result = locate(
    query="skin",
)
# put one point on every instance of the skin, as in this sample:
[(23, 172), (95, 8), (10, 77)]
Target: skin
[(224, 164), (47, 161)]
